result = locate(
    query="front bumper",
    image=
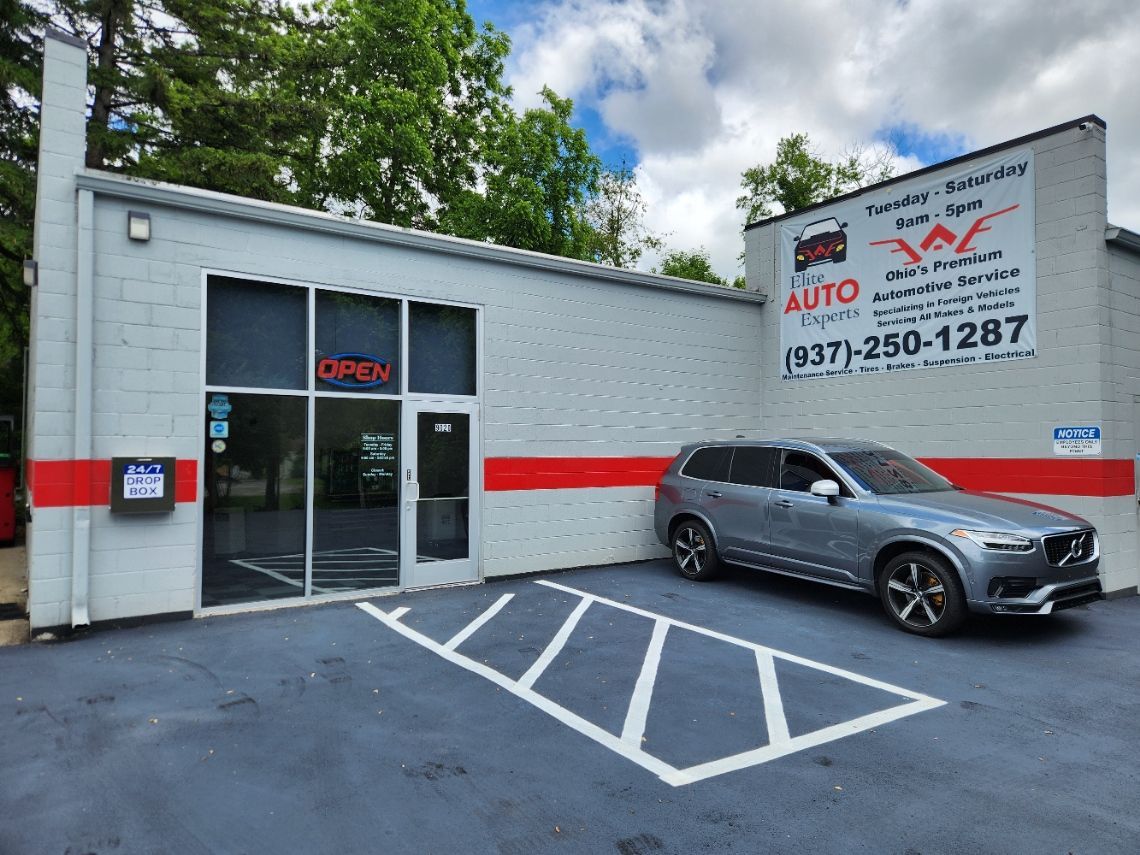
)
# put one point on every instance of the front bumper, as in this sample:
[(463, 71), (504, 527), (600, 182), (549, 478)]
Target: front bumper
[(1044, 600), (1033, 582)]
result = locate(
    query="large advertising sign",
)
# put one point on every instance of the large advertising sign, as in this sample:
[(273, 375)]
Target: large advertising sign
[(934, 272)]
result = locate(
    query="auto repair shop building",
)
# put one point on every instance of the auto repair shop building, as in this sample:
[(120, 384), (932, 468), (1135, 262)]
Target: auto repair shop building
[(236, 404)]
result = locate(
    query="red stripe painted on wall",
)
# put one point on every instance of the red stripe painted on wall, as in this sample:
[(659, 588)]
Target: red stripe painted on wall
[(1049, 476), (67, 483), (70, 483), (1040, 477), (559, 473)]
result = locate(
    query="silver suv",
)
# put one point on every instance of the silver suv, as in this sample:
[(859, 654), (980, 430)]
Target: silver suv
[(861, 515)]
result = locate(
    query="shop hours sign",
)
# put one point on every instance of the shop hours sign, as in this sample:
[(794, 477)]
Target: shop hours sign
[(933, 272), (142, 484)]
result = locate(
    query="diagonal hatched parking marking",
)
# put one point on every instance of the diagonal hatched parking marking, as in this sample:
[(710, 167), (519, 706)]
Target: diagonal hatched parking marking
[(628, 744)]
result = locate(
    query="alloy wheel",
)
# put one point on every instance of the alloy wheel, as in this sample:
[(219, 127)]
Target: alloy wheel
[(690, 549), (916, 595)]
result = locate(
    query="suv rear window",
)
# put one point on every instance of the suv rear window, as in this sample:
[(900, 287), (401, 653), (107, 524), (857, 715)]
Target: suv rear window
[(754, 466), (709, 464)]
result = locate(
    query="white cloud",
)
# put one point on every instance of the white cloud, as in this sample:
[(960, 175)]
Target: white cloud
[(705, 88)]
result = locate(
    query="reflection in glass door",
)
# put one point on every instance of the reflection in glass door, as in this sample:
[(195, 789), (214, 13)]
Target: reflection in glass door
[(356, 493), (253, 531), (438, 511)]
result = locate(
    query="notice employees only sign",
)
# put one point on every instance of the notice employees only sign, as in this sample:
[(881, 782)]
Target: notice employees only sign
[(929, 273)]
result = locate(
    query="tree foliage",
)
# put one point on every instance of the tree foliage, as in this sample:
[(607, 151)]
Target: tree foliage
[(540, 173), (800, 177), (414, 94), (617, 215), (690, 264), (20, 72)]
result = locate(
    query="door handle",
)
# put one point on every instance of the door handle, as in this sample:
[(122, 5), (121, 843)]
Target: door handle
[(714, 494), (784, 503)]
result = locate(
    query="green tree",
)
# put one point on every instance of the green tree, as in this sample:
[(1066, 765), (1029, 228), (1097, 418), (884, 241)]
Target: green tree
[(693, 264), (540, 176), (800, 177), (616, 212), (20, 73), (416, 91)]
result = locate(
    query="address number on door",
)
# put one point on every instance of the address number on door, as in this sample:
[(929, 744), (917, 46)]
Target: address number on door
[(442, 427)]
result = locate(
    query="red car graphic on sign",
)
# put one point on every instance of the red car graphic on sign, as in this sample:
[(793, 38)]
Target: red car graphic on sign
[(823, 240)]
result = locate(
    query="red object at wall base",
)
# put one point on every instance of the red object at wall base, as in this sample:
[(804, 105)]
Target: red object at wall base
[(7, 505)]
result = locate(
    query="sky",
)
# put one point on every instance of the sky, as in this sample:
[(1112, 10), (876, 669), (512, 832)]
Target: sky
[(690, 93)]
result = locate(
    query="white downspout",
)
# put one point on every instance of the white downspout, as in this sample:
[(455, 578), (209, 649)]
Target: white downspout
[(84, 377)]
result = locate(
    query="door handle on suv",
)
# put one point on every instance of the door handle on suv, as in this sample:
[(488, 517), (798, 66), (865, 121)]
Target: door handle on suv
[(784, 503), (714, 494)]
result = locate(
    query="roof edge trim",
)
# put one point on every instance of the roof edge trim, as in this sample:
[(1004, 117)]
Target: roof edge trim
[(1124, 238), (238, 207)]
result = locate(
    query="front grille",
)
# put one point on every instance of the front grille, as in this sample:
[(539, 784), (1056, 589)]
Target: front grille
[(1077, 547)]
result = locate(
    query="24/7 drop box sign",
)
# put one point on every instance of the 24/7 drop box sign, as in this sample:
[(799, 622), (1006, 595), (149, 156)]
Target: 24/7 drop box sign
[(142, 484), (928, 273)]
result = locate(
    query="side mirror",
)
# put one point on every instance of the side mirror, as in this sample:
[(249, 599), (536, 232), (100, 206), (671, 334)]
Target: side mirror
[(826, 488)]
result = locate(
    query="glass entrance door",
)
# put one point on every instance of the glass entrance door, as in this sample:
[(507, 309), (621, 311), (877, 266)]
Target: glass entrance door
[(440, 498)]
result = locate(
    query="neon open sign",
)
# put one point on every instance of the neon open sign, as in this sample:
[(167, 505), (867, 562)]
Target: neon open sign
[(354, 370)]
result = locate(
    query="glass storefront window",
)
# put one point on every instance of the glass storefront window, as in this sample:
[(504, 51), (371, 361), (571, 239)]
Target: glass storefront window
[(441, 352), (253, 541), (358, 344), (256, 334), (269, 532), (356, 521)]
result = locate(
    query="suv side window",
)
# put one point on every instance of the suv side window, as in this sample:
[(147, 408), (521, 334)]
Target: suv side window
[(708, 464), (754, 466), (800, 470)]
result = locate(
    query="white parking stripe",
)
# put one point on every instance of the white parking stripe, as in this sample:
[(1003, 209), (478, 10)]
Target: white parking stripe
[(628, 745), (797, 743), (587, 728), (773, 703), (740, 642), (555, 647), (472, 627), (638, 712)]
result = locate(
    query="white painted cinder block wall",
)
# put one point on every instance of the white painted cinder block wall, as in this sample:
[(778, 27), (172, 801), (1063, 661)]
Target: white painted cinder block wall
[(1085, 372)]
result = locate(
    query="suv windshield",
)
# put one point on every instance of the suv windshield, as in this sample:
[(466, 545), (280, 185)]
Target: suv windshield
[(820, 227), (885, 471)]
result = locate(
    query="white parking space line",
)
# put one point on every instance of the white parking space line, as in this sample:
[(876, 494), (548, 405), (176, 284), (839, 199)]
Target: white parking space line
[(555, 647), (629, 745), (773, 703), (473, 627), (638, 713), (779, 654), (571, 720)]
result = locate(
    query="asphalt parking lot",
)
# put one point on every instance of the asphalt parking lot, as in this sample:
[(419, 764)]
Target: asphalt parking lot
[(613, 709)]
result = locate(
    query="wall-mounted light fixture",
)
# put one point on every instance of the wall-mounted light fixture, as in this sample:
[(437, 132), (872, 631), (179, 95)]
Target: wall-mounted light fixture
[(31, 273), (138, 225)]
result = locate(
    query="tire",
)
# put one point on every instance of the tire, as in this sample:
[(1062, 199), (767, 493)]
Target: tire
[(694, 553), (922, 593)]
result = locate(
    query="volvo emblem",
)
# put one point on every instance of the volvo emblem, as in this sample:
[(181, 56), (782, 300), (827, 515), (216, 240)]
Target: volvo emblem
[(1078, 547)]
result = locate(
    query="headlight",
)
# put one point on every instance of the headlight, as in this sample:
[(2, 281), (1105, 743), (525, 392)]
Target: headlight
[(838, 247), (996, 540), (800, 257)]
